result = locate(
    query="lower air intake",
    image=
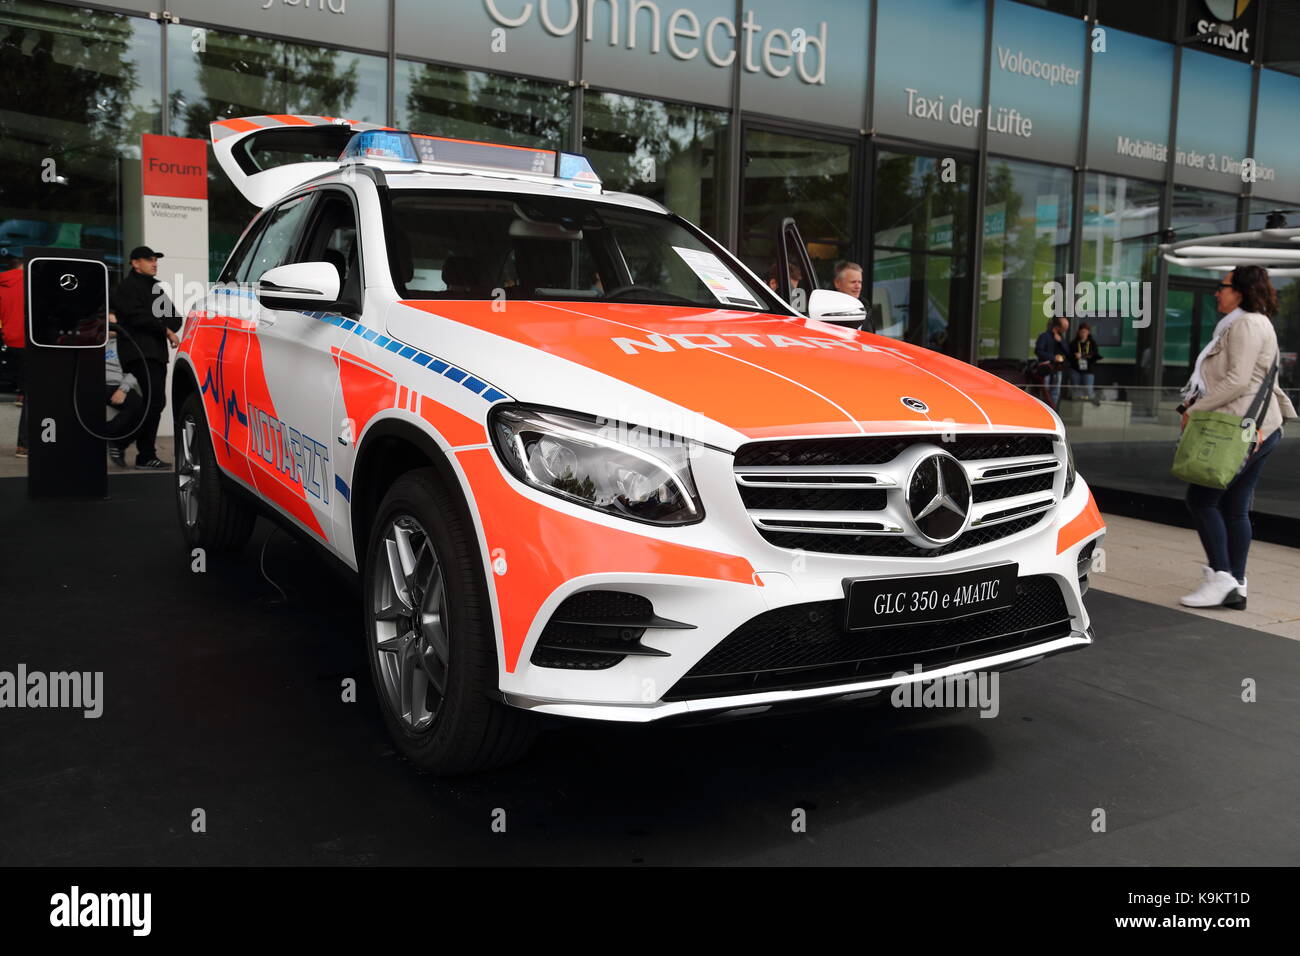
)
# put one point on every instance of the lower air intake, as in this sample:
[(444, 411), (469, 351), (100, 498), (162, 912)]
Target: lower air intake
[(805, 645)]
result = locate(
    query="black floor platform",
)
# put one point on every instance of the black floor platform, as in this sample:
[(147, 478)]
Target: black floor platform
[(222, 695)]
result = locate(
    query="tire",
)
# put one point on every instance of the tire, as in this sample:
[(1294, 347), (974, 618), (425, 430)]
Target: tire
[(211, 516), (435, 677)]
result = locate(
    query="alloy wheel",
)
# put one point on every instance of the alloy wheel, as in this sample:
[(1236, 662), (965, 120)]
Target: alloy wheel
[(188, 472), (409, 605)]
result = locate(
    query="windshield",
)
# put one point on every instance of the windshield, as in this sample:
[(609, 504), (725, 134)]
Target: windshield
[(448, 245)]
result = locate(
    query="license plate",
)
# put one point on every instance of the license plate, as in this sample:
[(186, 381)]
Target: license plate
[(926, 598)]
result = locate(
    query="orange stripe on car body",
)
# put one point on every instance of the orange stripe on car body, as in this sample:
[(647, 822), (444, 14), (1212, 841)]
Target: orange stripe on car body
[(1085, 523), (366, 389), (456, 428), (544, 548), (237, 125)]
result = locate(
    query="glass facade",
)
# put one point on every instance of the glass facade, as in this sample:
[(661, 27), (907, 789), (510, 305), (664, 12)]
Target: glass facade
[(676, 155), (879, 146), (1027, 235), (805, 177), (81, 86), (920, 248), (214, 75)]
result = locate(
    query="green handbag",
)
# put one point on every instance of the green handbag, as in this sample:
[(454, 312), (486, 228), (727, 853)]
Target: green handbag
[(1215, 445)]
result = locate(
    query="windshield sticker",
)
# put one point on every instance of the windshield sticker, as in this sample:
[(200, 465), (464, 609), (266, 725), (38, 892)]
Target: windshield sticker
[(716, 277)]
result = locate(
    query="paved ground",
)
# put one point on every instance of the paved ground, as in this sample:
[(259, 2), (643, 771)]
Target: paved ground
[(12, 467), (222, 694), (1158, 563)]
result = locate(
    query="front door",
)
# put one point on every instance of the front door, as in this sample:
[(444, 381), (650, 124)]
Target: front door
[(289, 379)]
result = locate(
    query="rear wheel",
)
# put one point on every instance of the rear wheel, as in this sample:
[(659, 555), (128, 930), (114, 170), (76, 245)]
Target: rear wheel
[(212, 517), (431, 644)]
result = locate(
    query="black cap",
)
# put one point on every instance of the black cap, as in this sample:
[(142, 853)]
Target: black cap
[(144, 252)]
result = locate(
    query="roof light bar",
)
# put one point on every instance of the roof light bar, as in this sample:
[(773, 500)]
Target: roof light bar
[(400, 146)]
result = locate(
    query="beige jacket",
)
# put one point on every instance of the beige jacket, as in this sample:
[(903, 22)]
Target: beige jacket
[(1237, 366)]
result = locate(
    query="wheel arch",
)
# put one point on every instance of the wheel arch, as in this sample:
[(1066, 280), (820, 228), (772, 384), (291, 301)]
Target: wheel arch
[(389, 449), (184, 384)]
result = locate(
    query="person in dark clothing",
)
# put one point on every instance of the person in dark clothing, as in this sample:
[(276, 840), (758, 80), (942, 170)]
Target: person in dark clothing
[(1083, 363), (150, 323), (1050, 350)]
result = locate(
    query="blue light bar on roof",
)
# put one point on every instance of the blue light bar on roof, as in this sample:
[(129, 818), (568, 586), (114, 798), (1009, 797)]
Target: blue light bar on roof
[(419, 148), (577, 170), (381, 144)]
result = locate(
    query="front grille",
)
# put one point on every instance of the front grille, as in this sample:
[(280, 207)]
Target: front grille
[(805, 645), (847, 496), (815, 499), (1009, 488), (893, 546), (876, 450)]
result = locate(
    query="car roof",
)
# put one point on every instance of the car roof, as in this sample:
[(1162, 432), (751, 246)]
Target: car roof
[(400, 176)]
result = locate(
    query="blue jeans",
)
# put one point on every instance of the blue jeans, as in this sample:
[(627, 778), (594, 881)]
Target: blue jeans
[(1081, 378), (1053, 382), (1222, 517)]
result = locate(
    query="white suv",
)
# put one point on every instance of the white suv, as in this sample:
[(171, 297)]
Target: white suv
[(587, 464)]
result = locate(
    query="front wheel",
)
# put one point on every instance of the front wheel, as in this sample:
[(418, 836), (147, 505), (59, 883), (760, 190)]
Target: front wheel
[(431, 644), (210, 514)]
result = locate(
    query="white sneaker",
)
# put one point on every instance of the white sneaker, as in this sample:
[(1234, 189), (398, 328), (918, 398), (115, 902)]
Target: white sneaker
[(1219, 589)]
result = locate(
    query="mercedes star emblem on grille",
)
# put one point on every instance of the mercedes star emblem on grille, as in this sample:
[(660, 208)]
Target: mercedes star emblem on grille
[(68, 282), (915, 404), (939, 497)]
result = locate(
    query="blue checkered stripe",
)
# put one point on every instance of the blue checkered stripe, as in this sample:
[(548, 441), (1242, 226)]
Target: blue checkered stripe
[(436, 365)]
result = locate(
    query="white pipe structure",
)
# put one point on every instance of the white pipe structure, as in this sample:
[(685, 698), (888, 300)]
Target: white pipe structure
[(1207, 252), (1264, 235)]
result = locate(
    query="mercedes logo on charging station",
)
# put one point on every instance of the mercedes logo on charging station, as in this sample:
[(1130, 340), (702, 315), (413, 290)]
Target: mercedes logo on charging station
[(939, 497), (68, 282)]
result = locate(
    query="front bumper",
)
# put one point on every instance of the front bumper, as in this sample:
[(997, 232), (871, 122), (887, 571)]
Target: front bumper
[(640, 689)]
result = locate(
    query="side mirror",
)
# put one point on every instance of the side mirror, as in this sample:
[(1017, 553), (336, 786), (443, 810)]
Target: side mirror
[(838, 308), (299, 286)]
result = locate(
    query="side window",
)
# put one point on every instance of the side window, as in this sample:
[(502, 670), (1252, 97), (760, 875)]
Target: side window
[(332, 238), (279, 239), (238, 262)]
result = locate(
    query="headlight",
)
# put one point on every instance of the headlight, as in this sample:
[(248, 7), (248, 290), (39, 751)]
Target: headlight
[(614, 468), (1069, 468)]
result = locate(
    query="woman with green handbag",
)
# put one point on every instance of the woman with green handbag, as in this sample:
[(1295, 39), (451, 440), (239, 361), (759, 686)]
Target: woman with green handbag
[(1232, 412)]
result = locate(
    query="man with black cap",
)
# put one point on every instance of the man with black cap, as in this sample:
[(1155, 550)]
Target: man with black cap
[(150, 322)]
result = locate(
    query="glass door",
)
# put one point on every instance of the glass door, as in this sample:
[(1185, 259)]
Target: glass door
[(1190, 316), (809, 179), (921, 250)]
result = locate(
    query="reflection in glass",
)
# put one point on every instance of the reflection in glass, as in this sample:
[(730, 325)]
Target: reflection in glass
[(920, 250), (1027, 222), (80, 86), (468, 104), (809, 180), (1121, 218), (675, 155), (1287, 320), (1200, 212), (236, 75)]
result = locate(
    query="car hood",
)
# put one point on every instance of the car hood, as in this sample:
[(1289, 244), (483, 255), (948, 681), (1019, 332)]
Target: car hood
[(761, 375)]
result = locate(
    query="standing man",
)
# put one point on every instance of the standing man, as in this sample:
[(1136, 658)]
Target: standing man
[(150, 322), (848, 279)]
